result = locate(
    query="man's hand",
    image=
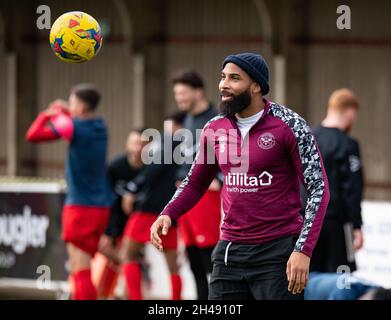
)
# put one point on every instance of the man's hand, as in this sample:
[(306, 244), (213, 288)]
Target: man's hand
[(358, 239), (297, 271), (51, 112), (105, 245), (128, 200), (215, 185), (56, 107), (160, 226)]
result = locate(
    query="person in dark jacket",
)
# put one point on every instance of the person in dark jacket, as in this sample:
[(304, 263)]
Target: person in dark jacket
[(200, 227), (341, 234), (121, 169), (145, 197)]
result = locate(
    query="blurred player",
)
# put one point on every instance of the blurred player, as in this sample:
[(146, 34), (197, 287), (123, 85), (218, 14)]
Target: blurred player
[(263, 149), (341, 233), (122, 169), (86, 210), (200, 227), (146, 197)]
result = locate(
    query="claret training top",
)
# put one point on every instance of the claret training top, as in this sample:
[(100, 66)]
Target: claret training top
[(262, 175)]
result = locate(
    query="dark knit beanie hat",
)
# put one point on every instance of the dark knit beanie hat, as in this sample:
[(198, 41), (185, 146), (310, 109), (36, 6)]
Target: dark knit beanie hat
[(254, 65)]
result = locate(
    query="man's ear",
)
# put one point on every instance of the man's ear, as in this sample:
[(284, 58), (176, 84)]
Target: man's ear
[(256, 88)]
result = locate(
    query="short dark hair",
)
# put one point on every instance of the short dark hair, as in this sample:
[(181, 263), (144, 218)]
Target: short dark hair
[(178, 117), (88, 93), (189, 77)]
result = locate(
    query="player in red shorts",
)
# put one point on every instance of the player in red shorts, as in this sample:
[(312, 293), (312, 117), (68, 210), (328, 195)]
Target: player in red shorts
[(147, 195), (121, 169), (86, 210), (200, 227)]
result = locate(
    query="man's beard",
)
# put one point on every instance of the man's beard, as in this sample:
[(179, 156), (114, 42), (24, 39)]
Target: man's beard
[(235, 104)]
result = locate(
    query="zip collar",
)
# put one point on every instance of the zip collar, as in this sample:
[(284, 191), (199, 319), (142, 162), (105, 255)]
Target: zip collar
[(233, 119)]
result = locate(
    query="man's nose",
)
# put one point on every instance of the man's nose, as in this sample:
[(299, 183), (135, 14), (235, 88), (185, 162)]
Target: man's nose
[(223, 84)]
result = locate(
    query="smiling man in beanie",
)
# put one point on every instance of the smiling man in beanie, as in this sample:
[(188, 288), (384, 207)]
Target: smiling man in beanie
[(263, 150)]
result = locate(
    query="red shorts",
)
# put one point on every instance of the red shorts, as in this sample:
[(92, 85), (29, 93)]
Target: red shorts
[(138, 229), (201, 225), (83, 226)]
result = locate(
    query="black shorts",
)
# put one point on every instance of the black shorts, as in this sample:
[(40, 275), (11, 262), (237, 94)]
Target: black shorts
[(248, 272)]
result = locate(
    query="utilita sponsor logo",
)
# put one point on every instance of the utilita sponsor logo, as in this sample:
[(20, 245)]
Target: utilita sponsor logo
[(242, 179), (20, 231)]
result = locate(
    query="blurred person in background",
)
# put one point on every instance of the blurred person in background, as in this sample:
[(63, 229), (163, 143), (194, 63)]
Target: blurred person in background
[(341, 234), (146, 195), (343, 286), (200, 227), (122, 169), (87, 205)]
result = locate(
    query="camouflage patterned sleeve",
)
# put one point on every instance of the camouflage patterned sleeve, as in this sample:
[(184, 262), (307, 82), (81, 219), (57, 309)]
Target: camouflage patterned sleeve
[(307, 160)]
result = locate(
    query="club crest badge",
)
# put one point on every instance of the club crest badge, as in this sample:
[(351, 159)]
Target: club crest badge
[(266, 141)]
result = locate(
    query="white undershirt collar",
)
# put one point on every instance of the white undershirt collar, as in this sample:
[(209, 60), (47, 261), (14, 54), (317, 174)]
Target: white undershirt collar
[(245, 124)]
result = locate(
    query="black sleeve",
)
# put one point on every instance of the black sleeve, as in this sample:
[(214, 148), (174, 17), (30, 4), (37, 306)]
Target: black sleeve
[(111, 174), (111, 229), (352, 183), (117, 218)]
